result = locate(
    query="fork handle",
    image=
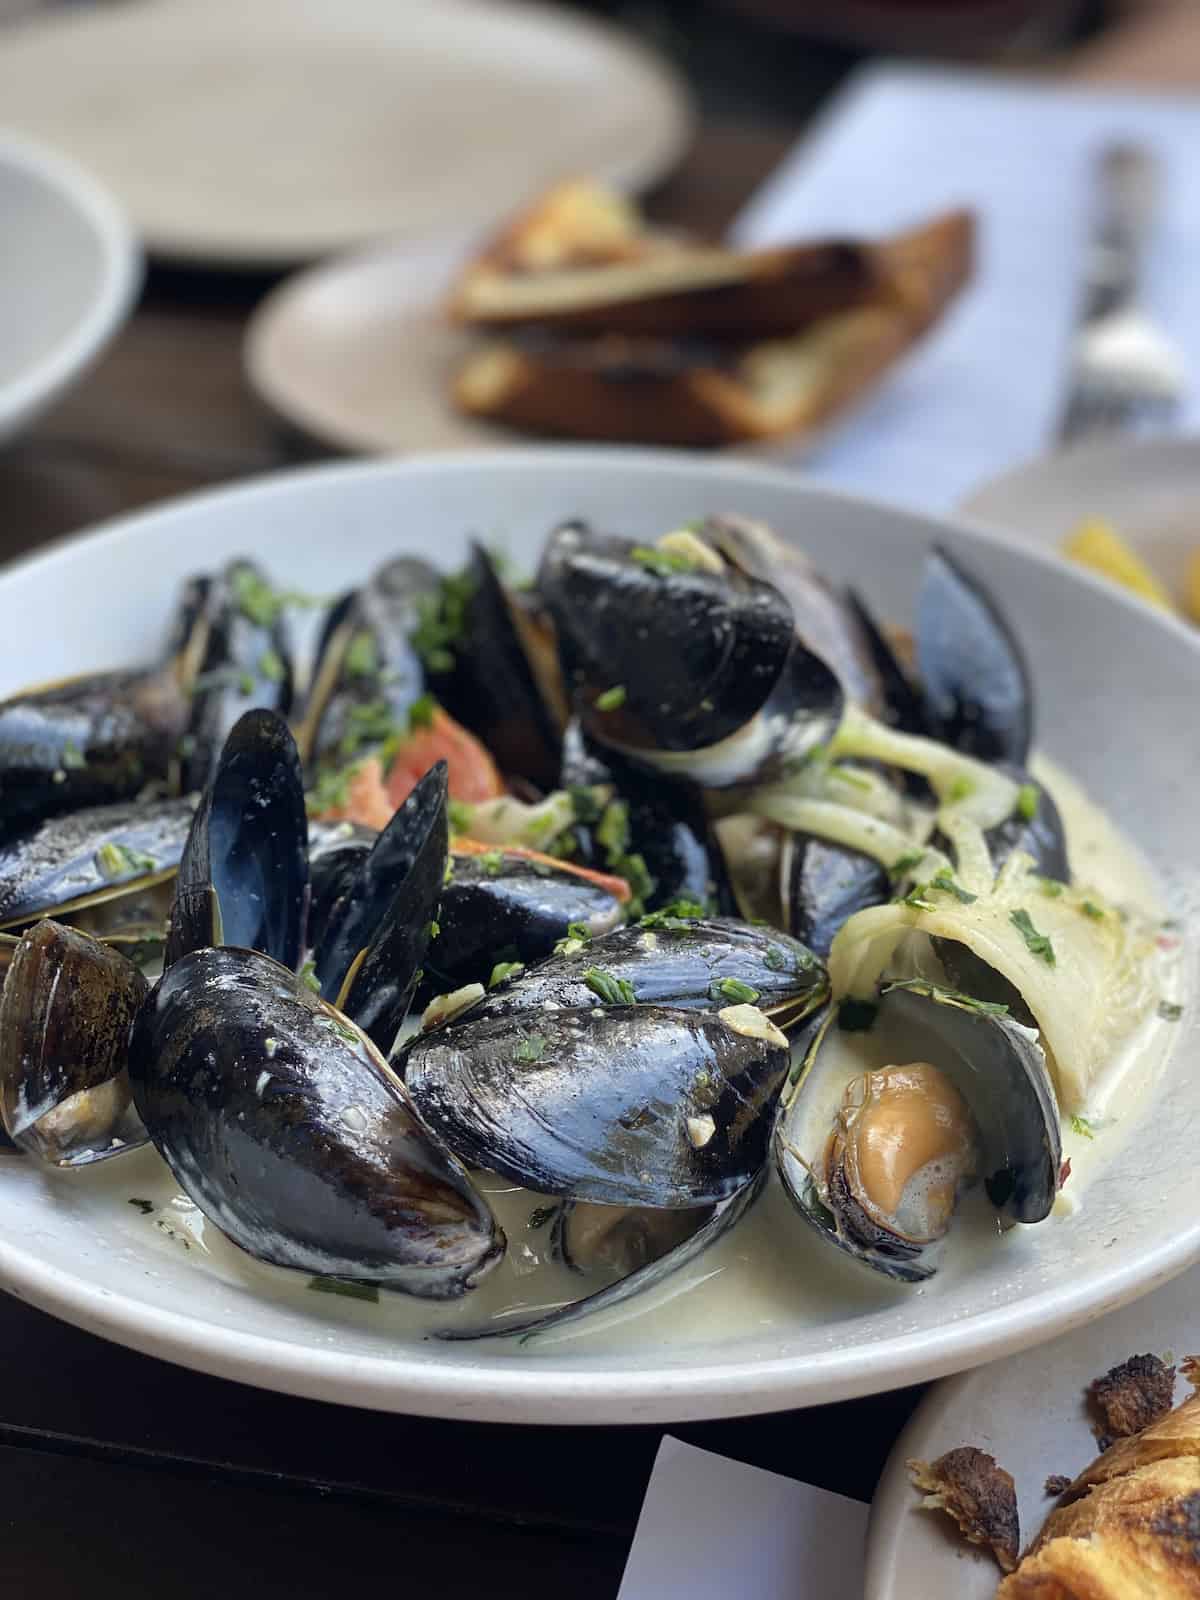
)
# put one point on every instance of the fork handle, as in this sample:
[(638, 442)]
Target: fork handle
[(1128, 186)]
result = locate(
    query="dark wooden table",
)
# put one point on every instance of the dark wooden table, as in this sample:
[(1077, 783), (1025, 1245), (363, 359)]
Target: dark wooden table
[(120, 1475)]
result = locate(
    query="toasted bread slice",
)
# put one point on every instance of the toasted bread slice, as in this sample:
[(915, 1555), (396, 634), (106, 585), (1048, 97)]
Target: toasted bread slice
[(687, 392)]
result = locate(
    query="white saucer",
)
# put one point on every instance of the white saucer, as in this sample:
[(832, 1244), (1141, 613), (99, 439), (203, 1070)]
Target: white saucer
[(266, 132), (1028, 1412)]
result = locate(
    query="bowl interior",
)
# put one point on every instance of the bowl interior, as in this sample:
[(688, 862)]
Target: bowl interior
[(1117, 691)]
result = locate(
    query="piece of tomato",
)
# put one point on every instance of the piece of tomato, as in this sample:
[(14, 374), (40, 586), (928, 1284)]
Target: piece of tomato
[(473, 773)]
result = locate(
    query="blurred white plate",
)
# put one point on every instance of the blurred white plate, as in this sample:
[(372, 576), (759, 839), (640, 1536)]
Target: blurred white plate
[(1029, 1413), (69, 270), (265, 132), (1149, 489)]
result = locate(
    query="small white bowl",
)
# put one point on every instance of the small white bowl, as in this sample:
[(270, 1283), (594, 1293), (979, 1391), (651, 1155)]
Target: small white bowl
[(69, 270)]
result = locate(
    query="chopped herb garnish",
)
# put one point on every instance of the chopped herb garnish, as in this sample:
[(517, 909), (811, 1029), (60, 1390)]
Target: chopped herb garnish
[(935, 991), (1028, 796), (460, 815), (448, 874), (371, 723), (347, 1289), (308, 975), (420, 713), (223, 678), (492, 862), (433, 930), (503, 970), (961, 789), (331, 792), (915, 898), (361, 659), (1082, 1127), (115, 861), (676, 913), (661, 562), (531, 1048), (144, 1206), (1092, 910), (1169, 1010), (563, 846), (578, 935), (945, 882), (540, 1216), (72, 757), (442, 621), (270, 665), (903, 865), (856, 1016), (1038, 944), (613, 991), (612, 831), (1050, 887), (775, 958), (585, 804), (612, 699), (259, 602), (640, 879), (735, 991)]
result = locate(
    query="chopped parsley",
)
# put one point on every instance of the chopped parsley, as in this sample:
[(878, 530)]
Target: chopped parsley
[(903, 865), (944, 881), (460, 816), (1082, 1127), (348, 1289), (1092, 910), (961, 789), (532, 1048), (433, 930), (503, 970), (954, 997), (1028, 796), (308, 975), (856, 1016), (1169, 1010), (442, 621), (1038, 944), (675, 914), (775, 959), (578, 935), (661, 562), (612, 831), (613, 991), (114, 861), (72, 757), (1050, 887), (735, 991), (270, 666), (612, 699), (420, 713), (361, 658), (915, 898), (492, 863), (584, 803), (371, 723), (331, 792)]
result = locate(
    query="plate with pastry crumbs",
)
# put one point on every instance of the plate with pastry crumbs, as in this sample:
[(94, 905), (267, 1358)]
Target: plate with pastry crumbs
[(1060, 1472), (1127, 508), (579, 319)]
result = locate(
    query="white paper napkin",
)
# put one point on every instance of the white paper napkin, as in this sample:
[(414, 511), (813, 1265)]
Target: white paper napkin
[(983, 392), (713, 1529)]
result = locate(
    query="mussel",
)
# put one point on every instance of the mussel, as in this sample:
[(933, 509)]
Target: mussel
[(68, 1006), (885, 1124), (823, 884), (336, 852), (625, 1105), (283, 1122)]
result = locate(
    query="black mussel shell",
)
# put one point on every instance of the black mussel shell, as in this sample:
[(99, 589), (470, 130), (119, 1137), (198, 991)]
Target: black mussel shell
[(499, 907), (237, 657), (625, 1105), (504, 684), (286, 1127), (87, 741), (388, 915), (977, 689), (1041, 836), (368, 672), (243, 877), (701, 964), (101, 853), (661, 661), (900, 703), (823, 884), (66, 1013), (336, 852)]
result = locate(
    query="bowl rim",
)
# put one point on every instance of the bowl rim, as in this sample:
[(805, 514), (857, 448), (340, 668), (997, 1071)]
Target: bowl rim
[(507, 1390), (121, 274)]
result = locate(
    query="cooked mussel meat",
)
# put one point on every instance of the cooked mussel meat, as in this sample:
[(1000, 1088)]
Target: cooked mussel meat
[(898, 1104), (287, 1128), (243, 876), (68, 1006), (625, 1105)]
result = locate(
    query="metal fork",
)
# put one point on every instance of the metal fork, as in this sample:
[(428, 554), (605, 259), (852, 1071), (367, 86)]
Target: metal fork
[(1125, 374)]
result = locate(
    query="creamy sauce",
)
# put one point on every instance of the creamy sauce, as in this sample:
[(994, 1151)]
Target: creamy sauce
[(770, 1271)]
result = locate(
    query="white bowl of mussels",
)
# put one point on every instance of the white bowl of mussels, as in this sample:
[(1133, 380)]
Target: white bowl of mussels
[(589, 936)]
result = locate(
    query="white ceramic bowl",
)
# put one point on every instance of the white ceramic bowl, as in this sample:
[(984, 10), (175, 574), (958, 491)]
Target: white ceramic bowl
[(69, 270), (1117, 689)]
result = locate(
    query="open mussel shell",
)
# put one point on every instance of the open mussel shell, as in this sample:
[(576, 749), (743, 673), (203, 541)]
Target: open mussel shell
[(86, 741), (702, 964), (625, 1105), (243, 876), (977, 689), (286, 1127), (93, 857), (823, 884), (643, 1247), (370, 954), (66, 1013), (884, 1125), (367, 666), (498, 907), (504, 683), (693, 653), (336, 852)]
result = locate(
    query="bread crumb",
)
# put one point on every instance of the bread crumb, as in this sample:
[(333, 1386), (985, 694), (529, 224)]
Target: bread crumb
[(1131, 1396), (978, 1494)]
